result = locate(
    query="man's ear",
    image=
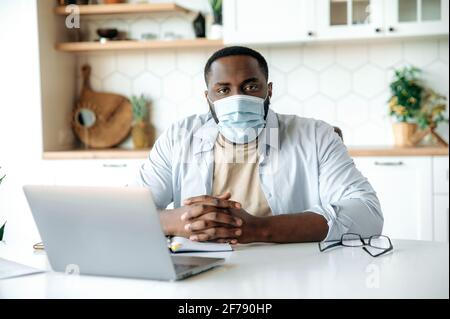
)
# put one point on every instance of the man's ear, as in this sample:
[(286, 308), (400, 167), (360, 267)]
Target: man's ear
[(269, 89)]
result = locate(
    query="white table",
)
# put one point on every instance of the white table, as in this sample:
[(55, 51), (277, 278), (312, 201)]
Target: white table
[(416, 269)]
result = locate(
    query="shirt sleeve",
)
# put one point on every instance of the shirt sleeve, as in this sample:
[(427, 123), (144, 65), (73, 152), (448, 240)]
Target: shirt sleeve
[(348, 201), (156, 172)]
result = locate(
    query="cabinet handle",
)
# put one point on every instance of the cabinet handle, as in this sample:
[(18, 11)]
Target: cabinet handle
[(391, 29), (400, 163), (310, 33), (378, 30), (114, 165)]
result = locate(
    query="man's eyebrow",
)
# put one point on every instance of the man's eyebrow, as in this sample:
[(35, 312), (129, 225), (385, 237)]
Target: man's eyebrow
[(250, 80), (222, 84), (254, 79)]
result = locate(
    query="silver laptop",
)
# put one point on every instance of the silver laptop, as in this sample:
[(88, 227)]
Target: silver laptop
[(107, 231)]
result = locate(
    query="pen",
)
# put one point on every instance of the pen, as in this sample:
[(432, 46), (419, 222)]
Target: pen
[(38, 246)]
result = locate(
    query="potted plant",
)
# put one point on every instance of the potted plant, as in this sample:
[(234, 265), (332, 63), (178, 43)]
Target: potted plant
[(140, 129), (405, 104), (2, 228), (216, 31), (431, 114)]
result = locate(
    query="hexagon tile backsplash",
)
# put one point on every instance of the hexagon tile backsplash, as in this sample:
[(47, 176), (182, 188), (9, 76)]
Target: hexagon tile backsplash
[(346, 85)]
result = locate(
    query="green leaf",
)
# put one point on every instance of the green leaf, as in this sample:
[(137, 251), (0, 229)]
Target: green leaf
[(216, 5), (139, 107), (2, 231)]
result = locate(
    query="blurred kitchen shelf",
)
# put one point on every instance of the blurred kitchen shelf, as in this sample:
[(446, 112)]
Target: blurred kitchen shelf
[(123, 8), (96, 154), (397, 151), (136, 45), (359, 151)]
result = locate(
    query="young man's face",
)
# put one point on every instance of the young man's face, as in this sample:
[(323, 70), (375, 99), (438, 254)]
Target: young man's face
[(237, 75)]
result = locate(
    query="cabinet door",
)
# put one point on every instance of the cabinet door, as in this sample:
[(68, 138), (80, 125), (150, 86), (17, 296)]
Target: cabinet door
[(441, 218), (348, 19), (404, 188), (265, 21), (440, 175), (416, 17), (113, 173)]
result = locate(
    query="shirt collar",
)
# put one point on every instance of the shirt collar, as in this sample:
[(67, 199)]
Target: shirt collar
[(205, 137)]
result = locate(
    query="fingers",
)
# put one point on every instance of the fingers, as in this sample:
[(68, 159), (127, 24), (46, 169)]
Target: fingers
[(221, 202), (226, 196), (216, 233), (197, 210), (227, 241), (211, 220), (222, 218)]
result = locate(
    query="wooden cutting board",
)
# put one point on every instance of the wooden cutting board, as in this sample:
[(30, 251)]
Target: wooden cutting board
[(113, 116)]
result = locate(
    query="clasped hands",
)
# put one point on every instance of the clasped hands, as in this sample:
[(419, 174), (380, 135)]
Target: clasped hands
[(218, 219)]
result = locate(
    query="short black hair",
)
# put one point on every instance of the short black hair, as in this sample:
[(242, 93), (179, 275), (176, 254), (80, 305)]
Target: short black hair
[(237, 50)]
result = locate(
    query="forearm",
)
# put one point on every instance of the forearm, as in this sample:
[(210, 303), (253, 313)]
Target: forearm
[(292, 228)]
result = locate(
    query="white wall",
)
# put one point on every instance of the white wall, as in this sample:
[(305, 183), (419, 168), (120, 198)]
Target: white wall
[(345, 84), (20, 118)]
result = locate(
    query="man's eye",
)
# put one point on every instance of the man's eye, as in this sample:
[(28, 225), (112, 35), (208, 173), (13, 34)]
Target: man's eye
[(222, 91), (251, 87)]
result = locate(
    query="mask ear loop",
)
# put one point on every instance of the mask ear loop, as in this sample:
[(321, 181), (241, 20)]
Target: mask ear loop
[(212, 110)]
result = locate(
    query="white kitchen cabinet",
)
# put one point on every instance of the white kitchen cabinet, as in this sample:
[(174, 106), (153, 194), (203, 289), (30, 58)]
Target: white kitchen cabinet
[(441, 198), (404, 188), (350, 19), (268, 21), (113, 173), (287, 21), (440, 175), (441, 218), (416, 17)]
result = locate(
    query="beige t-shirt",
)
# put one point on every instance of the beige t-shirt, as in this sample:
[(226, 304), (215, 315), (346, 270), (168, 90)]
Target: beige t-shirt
[(236, 170)]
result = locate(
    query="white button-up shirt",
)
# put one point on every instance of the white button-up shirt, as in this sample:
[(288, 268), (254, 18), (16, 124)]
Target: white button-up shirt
[(303, 166)]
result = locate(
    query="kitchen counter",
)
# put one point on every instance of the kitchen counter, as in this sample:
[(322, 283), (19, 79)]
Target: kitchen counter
[(360, 151)]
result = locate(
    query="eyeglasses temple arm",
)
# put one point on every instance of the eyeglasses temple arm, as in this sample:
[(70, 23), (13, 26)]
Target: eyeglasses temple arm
[(331, 246)]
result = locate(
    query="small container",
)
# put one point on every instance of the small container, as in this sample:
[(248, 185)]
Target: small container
[(107, 33)]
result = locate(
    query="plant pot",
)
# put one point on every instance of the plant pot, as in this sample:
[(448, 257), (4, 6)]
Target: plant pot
[(140, 135), (403, 133), (216, 32)]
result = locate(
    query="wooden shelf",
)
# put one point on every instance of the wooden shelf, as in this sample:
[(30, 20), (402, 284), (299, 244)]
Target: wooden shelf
[(142, 154), (96, 154), (123, 8), (136, 45), (398, 151)]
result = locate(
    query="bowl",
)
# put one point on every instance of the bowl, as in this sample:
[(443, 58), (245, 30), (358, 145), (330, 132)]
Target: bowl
[(107, 33)]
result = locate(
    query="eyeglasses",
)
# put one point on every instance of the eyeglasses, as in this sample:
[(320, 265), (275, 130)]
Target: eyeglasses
[(375, 246)]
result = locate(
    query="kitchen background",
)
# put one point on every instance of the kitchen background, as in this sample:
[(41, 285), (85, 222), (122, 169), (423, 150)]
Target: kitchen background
[(344, 84), (340, 74)]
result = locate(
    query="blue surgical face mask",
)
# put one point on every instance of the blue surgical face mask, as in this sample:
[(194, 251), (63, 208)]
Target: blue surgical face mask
[(241, 117)]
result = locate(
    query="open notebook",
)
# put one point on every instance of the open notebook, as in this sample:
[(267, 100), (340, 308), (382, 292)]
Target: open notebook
[(182, 245)]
